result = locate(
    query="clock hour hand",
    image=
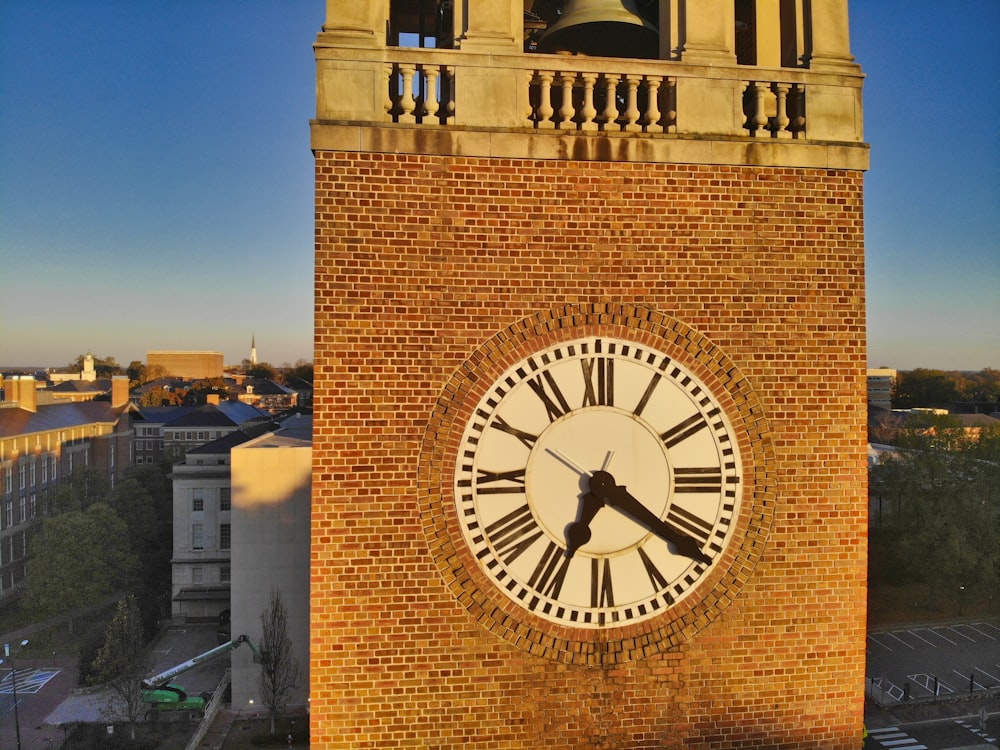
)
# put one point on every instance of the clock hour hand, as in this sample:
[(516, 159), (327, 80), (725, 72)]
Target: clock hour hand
[(578, 532), (602, 484)]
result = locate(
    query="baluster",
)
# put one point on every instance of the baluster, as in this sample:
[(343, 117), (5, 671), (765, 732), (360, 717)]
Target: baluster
[(406, 101), (545, 110), (797, 108), (388, 103), (670, 118), (529, 107), (449, 79), (610, 114), (431, 103), (631, 105), (781, 113), (588, 112), (651, 120), (758, 122), (566, 109)]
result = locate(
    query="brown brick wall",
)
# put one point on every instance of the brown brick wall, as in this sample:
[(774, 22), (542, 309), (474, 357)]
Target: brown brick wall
[(421, 259)]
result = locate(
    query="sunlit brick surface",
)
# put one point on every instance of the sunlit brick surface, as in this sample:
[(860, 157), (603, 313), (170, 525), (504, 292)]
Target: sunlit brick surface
[(419, 261)]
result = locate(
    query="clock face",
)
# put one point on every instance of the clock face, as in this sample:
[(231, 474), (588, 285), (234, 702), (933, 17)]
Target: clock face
[(597, 483)]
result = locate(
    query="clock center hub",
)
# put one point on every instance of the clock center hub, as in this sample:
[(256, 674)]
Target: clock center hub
[(588, 447)]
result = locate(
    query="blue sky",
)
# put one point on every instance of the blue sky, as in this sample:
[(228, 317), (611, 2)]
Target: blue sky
[(156, 179)]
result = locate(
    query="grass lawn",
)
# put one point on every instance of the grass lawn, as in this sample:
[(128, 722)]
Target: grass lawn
[(922, 603)]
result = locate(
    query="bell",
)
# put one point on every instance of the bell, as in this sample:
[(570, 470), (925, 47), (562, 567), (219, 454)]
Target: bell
[(606, 28)]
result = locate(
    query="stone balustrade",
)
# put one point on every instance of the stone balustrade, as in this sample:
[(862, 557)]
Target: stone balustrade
[(562, 93)]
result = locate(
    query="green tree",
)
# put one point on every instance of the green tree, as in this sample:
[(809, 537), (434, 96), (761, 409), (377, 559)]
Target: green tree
[(77, 559), (262, 370), (123, 662), (279, 669), (104, 367), (923, 388), (302, 369), (78, 490)]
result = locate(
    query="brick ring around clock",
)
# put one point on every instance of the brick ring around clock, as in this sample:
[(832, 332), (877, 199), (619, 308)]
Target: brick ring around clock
[(602, 490)]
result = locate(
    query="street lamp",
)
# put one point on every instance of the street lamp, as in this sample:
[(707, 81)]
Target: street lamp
[(13, 682)]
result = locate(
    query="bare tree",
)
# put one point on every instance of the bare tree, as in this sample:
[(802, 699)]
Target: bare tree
[(123, 661), (279, 669)]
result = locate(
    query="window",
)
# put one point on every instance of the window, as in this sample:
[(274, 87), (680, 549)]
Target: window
[(197, 499), (197, 536), (33, 463), (139, 445), (23, 507), (224, 574), (45, 470), (9, 479), (53, 468), (22, 472), (196, 576), (201, 435), (9, 514), (225, 499), (33, 505), (225, 536)]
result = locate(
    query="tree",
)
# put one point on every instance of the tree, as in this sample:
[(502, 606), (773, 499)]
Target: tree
[(104, 367), (123, 662), (78, 490), (77, 559), (279, 669)]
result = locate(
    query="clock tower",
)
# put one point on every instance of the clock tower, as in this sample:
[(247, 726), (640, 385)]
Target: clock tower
[(589, 412)]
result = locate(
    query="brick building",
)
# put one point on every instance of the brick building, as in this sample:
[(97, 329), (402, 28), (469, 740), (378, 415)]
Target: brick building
[(183, 364), (509, 242), (41, 445)]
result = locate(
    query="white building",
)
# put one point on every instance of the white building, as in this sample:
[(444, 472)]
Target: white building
[(270, 517), (880, 382)]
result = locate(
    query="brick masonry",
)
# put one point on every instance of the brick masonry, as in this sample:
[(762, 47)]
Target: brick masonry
[(421, 260)]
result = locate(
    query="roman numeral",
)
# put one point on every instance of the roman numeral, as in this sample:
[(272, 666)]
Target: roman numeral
[(550, 573), (513, 534), (691, 524), (484, 477), (654, 381), (598, 381), (601, 593), (546, 388), (697, 479), (656, 578), (681, 432), (527, 438)]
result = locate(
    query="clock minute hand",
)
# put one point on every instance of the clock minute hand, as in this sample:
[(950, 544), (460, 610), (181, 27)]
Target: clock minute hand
[(603, 485)]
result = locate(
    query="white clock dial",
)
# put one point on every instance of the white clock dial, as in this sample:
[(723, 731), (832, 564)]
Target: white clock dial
[(597, 482)]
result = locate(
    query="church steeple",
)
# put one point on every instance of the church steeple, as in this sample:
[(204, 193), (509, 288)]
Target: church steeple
[(253, 349)]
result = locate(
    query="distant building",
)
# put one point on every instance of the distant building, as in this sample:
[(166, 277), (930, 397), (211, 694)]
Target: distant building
[(880, 382), (268, 395), (184, 364), (89, 372), (42, 444), (242, 509)]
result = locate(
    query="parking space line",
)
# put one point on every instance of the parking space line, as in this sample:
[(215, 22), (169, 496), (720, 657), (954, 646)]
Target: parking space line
[(939, 635), (994, 678), (981, 632), (893, 635), (878, 642), (967, 678), (963, 635), (914, 634)]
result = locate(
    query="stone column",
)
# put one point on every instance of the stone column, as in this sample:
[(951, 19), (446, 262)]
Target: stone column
[(831, 45), (351, 83), (708, 37), (489, 25), (708, 34), (489, 95), (355, 23)]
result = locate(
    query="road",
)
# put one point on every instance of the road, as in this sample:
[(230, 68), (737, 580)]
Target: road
[(49, 700)]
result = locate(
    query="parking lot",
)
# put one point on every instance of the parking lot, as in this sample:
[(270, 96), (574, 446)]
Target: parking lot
[(933, 662)]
